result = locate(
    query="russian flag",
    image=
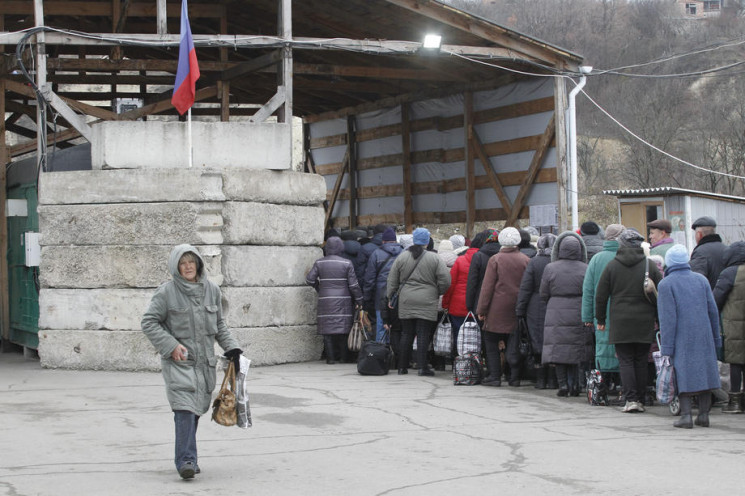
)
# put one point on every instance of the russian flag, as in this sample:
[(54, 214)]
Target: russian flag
[(188, 68)]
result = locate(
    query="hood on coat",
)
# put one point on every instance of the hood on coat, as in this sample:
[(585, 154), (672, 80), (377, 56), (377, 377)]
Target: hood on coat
[(334, 246), (734, 254), (529, 251), (392, 248), (570, 249), (558, 254), (545, 244), (630, 255), (352, 247), (175, 256)]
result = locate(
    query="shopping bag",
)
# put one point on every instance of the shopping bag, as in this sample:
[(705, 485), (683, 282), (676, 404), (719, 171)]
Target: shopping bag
[(444, 336), (666, 382), (360, 331), (469, 336)]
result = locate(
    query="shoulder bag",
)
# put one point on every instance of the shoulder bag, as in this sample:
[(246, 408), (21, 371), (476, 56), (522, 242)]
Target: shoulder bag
[(650, 290), (360, 328)]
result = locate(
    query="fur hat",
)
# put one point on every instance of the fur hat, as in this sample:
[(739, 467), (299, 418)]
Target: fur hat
[(676, 255), (509, 237), (590, 228), (421, 236)]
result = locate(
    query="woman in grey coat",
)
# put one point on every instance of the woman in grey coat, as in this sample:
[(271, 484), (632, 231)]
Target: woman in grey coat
[(566, 340), (183, 321), (334, 279), (422, 278)]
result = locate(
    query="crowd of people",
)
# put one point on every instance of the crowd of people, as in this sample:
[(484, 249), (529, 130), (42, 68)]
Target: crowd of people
[(593, 299)]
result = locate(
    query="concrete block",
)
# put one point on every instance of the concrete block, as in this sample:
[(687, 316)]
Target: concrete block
[(267, 224), (264, 186), (262, 307), (93, 309), (131, 224), (116, 266), (274, 345), (164, 145), (97, 350), (267, 266), (130, 186)]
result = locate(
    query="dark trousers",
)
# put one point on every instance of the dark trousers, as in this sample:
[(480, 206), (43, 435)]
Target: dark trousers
[(632, 364), (735, 376), (422, 329), (493, 356), (455, 323)]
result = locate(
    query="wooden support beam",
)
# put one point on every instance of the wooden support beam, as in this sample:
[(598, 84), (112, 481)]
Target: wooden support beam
[(335, 191), (68, 113), (243, 68), (468, 160), (560, 97), (162, 17), (84, 108), (535, 164), (406, 166), (352, 182), (223, 87), (486, 163), (4, 283), (102, 9), (274, 103)]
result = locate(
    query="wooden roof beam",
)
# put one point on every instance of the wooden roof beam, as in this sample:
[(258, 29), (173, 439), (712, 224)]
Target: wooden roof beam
[(105, 9)]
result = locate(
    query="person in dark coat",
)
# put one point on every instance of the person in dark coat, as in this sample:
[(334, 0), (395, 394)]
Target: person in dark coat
[(592, 235), (566, 340), (632, 317), (496, 307), (531, 306), (477, 269), (421, 278), (352, 249), (376, 276), (729, 294), (689, 334), (525, 247), (370, 246), (707, 256), (334, 280)]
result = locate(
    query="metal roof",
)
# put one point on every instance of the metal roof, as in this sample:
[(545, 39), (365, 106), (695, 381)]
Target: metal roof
[(669, 191)]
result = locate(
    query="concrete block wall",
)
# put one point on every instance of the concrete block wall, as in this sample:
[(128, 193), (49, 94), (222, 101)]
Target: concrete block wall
[(106, 235)]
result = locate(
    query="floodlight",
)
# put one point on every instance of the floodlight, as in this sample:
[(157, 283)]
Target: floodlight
[(432, 41)]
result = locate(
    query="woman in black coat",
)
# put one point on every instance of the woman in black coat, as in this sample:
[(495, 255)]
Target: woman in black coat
[(334, 279), (477, 269), (532, 308)]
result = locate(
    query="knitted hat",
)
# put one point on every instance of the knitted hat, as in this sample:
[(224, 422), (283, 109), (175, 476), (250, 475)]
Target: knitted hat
[(676, 255), (509, 237), (389, 234), (630, 237), (457, 240), (421, 236), (406, 240), (613, 231), (590, 228), (445, 246)]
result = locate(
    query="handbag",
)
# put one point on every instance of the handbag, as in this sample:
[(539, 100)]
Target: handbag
[(666, 382), (359, 332), (393, 300), (444, 336), (224, 408), (650, 290)]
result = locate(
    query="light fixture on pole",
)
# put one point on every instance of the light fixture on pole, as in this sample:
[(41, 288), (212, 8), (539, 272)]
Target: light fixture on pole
[(572, 111)]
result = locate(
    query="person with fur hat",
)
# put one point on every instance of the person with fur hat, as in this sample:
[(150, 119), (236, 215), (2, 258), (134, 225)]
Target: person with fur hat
[(592, 235), (605, 353), (525, 246), (376, 276), (420, 278), (496, 304), (689, 335), (478, 268), (532, 308), (566, 341), (631, 316)]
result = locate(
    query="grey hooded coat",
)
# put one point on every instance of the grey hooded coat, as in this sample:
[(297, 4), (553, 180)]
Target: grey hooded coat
[(190, 314), (565, 338)]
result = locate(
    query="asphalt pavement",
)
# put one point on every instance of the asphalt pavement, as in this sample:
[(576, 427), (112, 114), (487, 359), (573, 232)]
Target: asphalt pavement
[(325, 430)]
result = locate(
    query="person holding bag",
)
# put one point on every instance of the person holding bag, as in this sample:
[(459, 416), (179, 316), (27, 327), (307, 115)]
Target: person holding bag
[(419, 278), (183, 321), (689, 334)]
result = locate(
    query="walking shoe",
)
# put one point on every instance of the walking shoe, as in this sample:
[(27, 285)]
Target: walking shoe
[(630, 407), (403, 371), (640, 406), (491, 382), (197, 470), (427, 372), (187, 470)]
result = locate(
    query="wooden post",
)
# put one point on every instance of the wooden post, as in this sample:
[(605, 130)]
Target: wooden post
[(41, 80), (116, 12), (4, 283), (224, 86), (162, 17), (284, 74), (560, 98), (352, 181), (470, 169), (406, 148)]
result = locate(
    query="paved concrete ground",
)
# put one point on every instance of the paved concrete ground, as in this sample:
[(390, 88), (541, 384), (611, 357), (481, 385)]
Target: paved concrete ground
[(323, 429)]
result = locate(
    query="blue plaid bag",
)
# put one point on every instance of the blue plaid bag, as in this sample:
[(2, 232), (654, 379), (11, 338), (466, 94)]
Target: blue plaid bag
[(666, 382)]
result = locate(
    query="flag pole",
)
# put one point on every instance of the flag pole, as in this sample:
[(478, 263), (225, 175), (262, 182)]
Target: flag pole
[(191, 149)]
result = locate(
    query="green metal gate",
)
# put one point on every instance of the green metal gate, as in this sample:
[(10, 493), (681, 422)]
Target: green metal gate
[(23, 281)]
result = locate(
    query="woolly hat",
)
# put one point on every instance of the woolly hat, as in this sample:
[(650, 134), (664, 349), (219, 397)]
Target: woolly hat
[(445, 246), (406, 240), (457, 240), (630, 237), (676, 255), (509, 237), (590, 228), (421, 236), (613, 231), (389, 234)]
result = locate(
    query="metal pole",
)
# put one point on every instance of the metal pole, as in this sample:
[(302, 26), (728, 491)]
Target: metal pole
[(573, 151), (191, 148)]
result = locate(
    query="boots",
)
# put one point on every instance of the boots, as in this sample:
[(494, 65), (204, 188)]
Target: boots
[(685, 421), (704, 405), (551, 382), (734, 405), (514, 376), (561, 376), (341, 344), (540, 377), (494, 364), (328, 343)]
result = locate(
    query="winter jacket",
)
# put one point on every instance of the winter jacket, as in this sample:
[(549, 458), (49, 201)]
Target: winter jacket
[(605, 353), (529, 251), (529, 302), (376, 274), (351, 252), (707, 258), (420, 295), (632, 317), (689, 328), (729, 294), (593, 243), (334, 280), (565, 338), (367, 249), (476, 274), (189, 314), (498, 297), (454, 300)]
